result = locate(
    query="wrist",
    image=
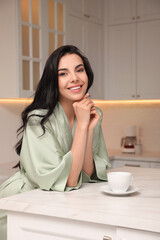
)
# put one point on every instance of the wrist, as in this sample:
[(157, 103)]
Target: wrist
[(90, 133), (82, 127)]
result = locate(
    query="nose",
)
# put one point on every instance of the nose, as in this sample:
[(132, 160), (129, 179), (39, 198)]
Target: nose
[(73, 77)]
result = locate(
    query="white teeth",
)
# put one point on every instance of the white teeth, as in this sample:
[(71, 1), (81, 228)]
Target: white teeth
[(74, 88)]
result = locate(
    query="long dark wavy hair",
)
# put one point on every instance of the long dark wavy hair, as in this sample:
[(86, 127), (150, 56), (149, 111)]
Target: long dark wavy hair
[(47, 92)]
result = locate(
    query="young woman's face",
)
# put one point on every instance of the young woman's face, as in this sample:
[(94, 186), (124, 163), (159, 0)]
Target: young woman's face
[(72, 78)]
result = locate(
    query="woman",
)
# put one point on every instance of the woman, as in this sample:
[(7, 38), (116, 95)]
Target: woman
[(62, 143)]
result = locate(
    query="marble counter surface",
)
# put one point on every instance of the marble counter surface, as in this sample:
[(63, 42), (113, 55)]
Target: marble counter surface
[(145, 156), (140, 210)]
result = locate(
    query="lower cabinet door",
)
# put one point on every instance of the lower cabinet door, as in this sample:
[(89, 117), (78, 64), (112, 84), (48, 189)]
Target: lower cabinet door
[(129, 163), (32, 226), (155, 164), (131, 234)]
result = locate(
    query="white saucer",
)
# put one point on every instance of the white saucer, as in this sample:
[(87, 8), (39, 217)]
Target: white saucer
[(131, 189)]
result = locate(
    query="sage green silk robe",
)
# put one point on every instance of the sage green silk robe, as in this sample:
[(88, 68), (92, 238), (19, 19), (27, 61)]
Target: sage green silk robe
[(46, 159)]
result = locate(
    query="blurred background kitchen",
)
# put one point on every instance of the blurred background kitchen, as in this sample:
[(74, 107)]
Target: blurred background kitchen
[(121, 39)]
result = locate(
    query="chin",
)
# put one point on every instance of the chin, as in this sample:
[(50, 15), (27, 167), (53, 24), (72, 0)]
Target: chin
[(78, 98)]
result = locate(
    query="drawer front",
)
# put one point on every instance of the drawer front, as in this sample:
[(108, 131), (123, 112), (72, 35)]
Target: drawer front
[(155, 164), (128, 163)]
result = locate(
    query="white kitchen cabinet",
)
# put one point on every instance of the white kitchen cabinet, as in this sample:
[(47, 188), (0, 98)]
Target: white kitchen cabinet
[(155, 164), (86, 9), (87, 36), (129, 163), (31, 226), (148, 59), (39, 227), (121, 11), (94, 52), (129, 11), (76, 32), (122, 62), (115, 163), (134, 57), (148, 10), (9, 68), (41, 33), (30, 33), (128, 234)]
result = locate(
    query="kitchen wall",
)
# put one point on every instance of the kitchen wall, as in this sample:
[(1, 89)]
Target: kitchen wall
[(9, 122), (143, 114), (116, 115)]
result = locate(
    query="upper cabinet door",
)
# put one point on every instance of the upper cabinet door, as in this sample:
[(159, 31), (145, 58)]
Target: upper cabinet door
[(148, 59), (148, 9), (75, 32), (94, 52), (86, 9), (122, 11), (87, 36), (93, 10), (122, 62), (9, 67), (76, 7), (127, 11)]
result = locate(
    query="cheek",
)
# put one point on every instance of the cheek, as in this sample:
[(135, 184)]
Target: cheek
[(61, 83), (86, 79)]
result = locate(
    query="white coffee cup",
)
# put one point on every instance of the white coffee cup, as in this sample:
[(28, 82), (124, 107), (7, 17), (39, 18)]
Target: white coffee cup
[(119, 182)]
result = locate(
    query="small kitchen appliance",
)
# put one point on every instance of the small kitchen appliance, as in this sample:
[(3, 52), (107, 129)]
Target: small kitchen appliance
[(130, 140)]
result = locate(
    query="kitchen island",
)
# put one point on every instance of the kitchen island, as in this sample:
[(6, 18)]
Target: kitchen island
[(88, 213)]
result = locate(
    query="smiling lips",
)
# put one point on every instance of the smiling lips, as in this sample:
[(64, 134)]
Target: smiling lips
[(75, 88)]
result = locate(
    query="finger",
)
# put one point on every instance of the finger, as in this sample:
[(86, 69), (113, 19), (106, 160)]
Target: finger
[(93, 108), (86, 95), (89, 103), (94, 111), (85, 101)]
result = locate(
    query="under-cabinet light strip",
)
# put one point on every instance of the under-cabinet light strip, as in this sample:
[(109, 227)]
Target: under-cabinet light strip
[(28, 100), (151, 101)]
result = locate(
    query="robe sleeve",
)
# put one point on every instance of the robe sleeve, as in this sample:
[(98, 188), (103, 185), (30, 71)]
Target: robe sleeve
[(100, 155), (44, 163)]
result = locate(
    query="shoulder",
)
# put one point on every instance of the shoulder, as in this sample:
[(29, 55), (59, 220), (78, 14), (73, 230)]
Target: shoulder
[(35, 116)]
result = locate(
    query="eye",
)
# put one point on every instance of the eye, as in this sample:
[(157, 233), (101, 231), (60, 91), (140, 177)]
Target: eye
[(80, 70), (62, 74)]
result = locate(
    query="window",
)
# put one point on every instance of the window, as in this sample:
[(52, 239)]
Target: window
[(41, 32), (55, 25)]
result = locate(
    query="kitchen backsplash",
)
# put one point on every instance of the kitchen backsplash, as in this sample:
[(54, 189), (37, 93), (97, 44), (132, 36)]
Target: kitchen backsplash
[(115, 117), (118, 115)]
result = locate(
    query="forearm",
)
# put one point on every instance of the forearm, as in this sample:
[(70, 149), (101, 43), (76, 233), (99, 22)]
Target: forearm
[(88, 164), (78, 152)]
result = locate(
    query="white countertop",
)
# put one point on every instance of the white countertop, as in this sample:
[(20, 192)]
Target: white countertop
[(145, 156), (140, 210)]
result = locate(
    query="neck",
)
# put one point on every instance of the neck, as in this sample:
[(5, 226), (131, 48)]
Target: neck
[(69, 111)]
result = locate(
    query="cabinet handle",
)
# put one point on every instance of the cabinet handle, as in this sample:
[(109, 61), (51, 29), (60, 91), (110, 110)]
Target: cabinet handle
[(87, 15), (132, 165), (138, 17), (107, 238), (133, 95), (138, 95), (133, 18)]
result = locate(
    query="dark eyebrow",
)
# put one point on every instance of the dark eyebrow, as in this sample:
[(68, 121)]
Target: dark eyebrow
[(62, 69), (65, 69), (80, 65)]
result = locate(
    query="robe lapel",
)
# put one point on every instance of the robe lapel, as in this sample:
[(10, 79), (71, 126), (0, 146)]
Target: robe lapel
[(63, 131)]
